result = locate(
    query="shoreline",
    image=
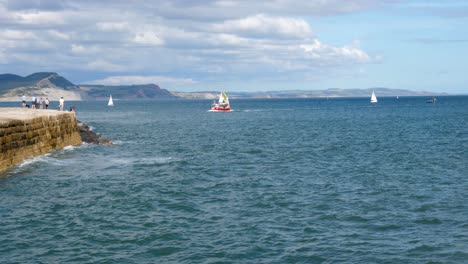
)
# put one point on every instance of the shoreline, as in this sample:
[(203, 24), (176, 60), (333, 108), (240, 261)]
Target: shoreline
[(26, 133)]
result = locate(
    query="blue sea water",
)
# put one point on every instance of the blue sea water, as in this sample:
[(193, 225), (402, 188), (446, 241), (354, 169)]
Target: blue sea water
[(274, 181)]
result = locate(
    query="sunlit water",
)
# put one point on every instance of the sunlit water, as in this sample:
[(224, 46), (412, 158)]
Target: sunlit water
[(274, 181)]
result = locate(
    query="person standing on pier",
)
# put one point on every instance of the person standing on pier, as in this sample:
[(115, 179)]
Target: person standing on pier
[(61, 103), (23, 101)]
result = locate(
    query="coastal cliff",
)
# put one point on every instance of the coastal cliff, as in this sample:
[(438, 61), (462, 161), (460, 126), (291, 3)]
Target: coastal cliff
[(53, 86), (25, 133)]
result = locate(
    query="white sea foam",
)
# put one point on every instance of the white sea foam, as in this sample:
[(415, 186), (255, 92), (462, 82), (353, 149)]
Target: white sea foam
[(142, 161), (33, 160), (121, 161), (156, 160), (119, 142), (69, 147), (51, 158), (253, 110), (216, 111)]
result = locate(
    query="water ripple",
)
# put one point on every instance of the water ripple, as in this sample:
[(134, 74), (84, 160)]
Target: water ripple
[(281, 181)]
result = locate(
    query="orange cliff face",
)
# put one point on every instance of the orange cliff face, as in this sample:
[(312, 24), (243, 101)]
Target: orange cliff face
[(25, 133)]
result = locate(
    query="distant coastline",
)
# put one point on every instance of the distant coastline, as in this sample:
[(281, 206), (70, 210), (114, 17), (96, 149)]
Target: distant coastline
[(53, 86), (326, 93)]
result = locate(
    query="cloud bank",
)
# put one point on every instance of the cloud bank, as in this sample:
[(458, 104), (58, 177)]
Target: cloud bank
[(178, 43)]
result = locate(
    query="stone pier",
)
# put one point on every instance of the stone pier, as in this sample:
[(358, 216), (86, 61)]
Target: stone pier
[(25, 133)]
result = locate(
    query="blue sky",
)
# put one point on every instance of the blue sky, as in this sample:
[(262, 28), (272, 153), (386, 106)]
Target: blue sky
[(241, 45)]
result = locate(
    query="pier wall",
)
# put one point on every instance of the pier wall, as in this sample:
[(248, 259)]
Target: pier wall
[(25, 133)]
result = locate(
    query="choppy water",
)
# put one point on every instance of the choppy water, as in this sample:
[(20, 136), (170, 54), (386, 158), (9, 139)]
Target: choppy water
[(275, 181)]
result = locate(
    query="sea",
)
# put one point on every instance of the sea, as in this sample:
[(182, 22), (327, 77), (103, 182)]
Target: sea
[(274, 181)]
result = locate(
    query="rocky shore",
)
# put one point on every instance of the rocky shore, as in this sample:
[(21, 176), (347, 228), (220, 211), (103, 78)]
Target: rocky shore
[(89, 136)]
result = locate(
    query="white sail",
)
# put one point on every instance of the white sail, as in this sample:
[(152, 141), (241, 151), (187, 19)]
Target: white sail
[(223, 98), (373, 98), (111, 103)]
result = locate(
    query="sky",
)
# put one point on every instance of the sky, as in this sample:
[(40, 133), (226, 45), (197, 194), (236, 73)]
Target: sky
[(244, 45)]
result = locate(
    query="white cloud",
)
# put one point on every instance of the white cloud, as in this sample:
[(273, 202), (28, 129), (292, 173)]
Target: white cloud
[(316, 46), (17, 34), (16, 39), (228, 4), (228, 39), (58, 35), (148, 38), (82, 50), (106, 66), (316, 50), (265, 25), (127, 80), (234, 39), (39, 18), (354, 54), (78, 49), (113, 26), (3, 58)]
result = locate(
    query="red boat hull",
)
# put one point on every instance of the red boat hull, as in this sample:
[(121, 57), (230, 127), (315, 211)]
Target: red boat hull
[(219, 109)]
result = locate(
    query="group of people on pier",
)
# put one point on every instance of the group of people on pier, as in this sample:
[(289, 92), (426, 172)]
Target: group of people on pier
[(39, 103)]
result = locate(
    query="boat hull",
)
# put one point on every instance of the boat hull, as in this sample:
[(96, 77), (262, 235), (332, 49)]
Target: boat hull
[(214, 109)]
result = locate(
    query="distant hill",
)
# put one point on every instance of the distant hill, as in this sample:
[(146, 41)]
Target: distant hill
[(53, 86), (35, 80), (145, 91), (332, 92), (40, 84)]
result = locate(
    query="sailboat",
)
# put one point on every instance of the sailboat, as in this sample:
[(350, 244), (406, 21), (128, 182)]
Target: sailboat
[(110, 103), (222, 105), (373, 98)]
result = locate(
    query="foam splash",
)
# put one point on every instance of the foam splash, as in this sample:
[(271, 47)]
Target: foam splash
[(216, 111), (33, 160), (144, 161), (68, 148), (54, 158), (118, 142), (155, 160)]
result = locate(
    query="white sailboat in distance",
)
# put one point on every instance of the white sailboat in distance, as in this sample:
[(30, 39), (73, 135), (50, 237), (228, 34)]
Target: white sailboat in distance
[(373, 98), (110, 103)]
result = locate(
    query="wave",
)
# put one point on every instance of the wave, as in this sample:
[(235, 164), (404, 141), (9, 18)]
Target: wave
[(69, 147), (33, 160), (120, 142), (156, 160), (55, 158), (269, 110)]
